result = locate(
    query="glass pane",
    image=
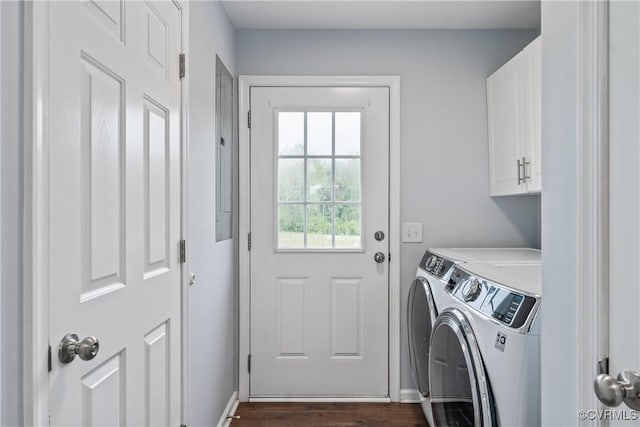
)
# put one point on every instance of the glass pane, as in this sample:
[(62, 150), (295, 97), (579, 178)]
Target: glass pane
[(291, 226), (347, 134), (348, 226), (347, 180), (319, 134), (290, 134), (319, 177), (451, 391), (319, 226), (291, 180)]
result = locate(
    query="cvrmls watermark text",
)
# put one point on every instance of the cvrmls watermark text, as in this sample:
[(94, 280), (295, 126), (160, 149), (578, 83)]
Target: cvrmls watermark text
[(609, 414)]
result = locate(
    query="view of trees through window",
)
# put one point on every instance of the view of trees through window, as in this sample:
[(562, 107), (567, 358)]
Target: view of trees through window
[(319, 180)]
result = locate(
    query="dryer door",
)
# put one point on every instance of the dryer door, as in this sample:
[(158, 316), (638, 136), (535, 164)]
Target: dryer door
[(460, 392), (421, 315)]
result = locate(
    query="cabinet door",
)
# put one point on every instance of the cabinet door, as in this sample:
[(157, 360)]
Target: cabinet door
[(505, 105), (533, 109)]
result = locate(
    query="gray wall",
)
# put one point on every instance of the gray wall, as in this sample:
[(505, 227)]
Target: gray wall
[(560, 152), (443, 126), (11, 223), (213, 299)]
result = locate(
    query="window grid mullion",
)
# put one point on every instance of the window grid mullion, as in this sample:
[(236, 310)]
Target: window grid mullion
[(317, 156), (306, 196), (333, 179), (293, 203)]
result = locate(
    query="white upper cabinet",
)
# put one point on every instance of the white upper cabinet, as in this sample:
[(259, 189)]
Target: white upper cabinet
[(514, 111), (505, 104), (533, 114)]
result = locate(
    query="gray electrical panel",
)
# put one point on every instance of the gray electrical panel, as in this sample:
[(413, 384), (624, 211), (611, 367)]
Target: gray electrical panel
[(224, 152)]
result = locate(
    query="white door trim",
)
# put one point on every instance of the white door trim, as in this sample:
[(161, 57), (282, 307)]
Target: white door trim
[(244, 85), (593, 191), (36, 167), (36, 202), (2, 373), (184, 223)]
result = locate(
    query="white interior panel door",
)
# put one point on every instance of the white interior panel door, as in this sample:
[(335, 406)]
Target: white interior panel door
[(624, 196), (319, 278), (114, 210)]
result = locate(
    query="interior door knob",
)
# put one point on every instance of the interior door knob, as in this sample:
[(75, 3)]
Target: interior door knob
[(69, 347), (379, 257), (612, 392)]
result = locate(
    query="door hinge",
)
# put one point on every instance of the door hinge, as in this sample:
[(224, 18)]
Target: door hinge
[(603, 366), (183, 65), (249, 241), (49, 362), (183, 251), (249, 363), (249, 119), (389, 256)]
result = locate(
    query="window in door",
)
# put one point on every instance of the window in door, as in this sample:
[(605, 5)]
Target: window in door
[(319, 180)]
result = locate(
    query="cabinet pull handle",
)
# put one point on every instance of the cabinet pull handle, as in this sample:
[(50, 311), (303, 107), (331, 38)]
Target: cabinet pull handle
[(525, 177), (522, 176), (520, 180)]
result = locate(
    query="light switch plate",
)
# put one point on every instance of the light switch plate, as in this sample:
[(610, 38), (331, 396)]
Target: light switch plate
[(412, 232)]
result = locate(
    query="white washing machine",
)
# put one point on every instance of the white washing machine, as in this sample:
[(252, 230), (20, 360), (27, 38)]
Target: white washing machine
[(484, 359), (492, 255), (426, 298)]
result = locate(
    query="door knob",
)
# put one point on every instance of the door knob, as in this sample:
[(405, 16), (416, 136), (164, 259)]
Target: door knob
[(612, 392), (379, 257), (69, 347)]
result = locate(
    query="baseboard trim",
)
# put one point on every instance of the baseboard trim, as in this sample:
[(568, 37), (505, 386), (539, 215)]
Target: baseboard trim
[(321, 399), (229, 410), (410, 395)]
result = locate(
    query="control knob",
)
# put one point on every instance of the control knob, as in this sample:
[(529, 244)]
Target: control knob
[(471, 290)]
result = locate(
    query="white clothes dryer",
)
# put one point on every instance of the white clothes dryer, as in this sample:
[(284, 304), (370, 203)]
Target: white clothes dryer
[(484, 359)]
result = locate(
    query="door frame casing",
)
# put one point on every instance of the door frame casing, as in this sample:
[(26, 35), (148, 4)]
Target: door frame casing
[(36, 202), (593, 195), (36, 341), (244, 86), (185, 272)]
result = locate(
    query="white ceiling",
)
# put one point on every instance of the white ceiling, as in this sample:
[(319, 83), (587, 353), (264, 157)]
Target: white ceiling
[(383, 14)]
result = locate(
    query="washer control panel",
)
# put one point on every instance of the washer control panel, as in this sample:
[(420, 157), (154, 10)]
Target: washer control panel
[(435, 265), (493, 300)]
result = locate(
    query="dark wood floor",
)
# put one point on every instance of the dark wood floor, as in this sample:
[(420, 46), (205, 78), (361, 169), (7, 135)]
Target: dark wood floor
[(329, 414)]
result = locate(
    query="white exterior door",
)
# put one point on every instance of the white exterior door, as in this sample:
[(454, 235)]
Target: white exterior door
[(114, 211), (624, 194), (319, 193)]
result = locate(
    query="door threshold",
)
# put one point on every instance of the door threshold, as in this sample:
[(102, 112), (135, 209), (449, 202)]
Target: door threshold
[(323, 399)]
